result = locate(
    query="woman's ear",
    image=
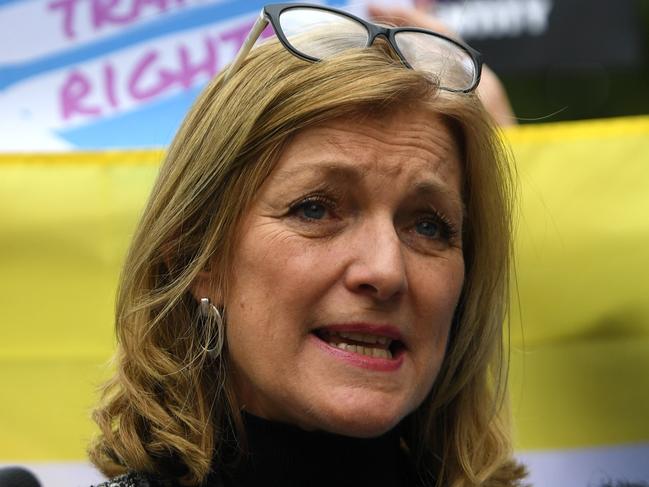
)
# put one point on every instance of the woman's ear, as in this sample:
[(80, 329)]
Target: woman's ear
[(206, 285)]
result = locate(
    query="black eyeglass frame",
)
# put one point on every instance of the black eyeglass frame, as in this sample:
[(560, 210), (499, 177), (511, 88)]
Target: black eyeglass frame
[(271, 13)]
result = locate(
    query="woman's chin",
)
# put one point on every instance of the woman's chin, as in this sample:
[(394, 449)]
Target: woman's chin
[(361, 427), (360, 422)]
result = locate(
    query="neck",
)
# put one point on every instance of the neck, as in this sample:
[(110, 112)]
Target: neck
[(278, 451)]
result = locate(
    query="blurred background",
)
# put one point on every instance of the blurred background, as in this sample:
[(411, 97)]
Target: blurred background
[(91, 74), (92, 91)]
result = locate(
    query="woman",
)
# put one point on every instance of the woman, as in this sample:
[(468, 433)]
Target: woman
[(315, 293)]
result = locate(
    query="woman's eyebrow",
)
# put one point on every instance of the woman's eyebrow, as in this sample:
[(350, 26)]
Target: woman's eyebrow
[(325, 169), (347, 173), (435, 188)]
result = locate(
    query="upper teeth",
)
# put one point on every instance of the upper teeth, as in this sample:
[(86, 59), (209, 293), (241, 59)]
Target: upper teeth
[(362, 337), (369, 351)]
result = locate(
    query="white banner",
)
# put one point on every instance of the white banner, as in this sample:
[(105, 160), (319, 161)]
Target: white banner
[(100, 74)]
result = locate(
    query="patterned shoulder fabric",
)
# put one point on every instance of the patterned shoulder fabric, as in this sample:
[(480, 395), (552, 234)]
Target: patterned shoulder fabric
[(139, 479), (131, 479)]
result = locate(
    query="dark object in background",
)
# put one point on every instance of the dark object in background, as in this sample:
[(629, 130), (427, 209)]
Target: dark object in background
[(532, 35), (561, 59), (17, 477)]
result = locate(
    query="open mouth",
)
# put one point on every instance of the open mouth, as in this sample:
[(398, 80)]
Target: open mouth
[(369, 345)]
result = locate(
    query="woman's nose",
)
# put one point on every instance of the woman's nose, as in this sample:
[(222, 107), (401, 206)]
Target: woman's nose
[(377, 267)]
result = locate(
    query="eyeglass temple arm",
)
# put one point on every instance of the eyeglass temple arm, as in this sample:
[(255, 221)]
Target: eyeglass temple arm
[(253, 35)]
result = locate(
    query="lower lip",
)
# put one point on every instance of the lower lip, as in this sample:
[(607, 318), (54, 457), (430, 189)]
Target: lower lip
[(363, 361)]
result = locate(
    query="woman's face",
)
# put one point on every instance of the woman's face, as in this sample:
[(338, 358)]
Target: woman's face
[(347, 273)]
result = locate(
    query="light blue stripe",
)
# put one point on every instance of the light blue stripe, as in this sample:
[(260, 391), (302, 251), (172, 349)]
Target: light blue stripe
[(151, 126), (10, 74)]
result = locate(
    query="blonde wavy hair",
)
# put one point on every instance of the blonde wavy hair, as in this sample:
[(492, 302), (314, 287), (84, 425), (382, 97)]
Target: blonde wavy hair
[(169, 408)]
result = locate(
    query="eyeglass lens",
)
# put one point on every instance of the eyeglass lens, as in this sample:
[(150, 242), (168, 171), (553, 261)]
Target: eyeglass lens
[(319, 34), (452, 66)]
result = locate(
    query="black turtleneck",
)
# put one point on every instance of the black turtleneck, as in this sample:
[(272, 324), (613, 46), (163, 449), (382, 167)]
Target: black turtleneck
[(284, 455)]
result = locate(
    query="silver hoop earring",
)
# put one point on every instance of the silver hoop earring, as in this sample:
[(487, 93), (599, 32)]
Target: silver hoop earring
[(211, 313)]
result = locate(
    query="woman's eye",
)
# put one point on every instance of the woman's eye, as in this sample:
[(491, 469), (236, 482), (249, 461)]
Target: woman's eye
[(428, 228), (312, 209), (435, 227)]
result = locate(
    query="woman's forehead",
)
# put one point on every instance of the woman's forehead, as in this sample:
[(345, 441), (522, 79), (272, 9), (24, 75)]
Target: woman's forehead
[(417, 145)]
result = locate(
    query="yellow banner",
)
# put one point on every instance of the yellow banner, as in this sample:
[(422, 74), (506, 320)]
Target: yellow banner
[(579, 326)]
